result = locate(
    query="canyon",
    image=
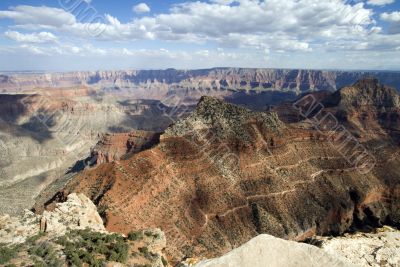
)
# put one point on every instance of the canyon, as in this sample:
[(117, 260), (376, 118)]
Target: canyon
[(216, 78), (51, 123), (47, 135), (225, 174), (213, 158)]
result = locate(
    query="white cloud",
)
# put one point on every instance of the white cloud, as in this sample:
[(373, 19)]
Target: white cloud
[(282, 25), (394, 21), (391, 17), (305, 27), (379, 2), (141, 8), (33, 49), (47, 16), (41, 37)]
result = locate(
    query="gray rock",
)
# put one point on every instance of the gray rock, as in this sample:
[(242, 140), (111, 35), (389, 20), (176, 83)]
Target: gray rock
[(269, 251)]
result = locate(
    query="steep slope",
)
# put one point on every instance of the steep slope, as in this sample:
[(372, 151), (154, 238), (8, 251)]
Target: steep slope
[(43, 135), (369, 108), (226, 174), (112, 147)]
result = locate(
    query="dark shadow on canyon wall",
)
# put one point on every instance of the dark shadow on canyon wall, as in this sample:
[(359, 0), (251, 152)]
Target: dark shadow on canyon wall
[(259, 100)]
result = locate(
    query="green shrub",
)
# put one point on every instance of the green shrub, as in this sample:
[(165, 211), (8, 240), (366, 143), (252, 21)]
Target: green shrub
[(7, 254), (147, 254), (46, 253), (134, 236), (92, 248), (164, 261)]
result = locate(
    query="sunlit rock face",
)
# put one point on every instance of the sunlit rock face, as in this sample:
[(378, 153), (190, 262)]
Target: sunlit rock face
[(218, 78), (266, 250)]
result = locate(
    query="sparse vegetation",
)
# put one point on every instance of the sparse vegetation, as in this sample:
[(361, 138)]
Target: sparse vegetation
[(164, 261), (134, 236), (46, 254), (93, 248), (7, 253), (147, 254)]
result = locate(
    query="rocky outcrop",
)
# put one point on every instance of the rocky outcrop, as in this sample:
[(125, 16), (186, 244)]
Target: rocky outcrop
[(78, 212), (266, 250), (381, 248), (73, 235), (218, 78), (225, 119), (112, 147)]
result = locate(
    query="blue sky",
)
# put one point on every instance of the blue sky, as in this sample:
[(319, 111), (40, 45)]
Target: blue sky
[(64, 35)]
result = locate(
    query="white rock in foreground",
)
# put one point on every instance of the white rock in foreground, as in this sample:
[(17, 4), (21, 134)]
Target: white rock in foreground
[(368, 249), (78, 212), (269, 251)]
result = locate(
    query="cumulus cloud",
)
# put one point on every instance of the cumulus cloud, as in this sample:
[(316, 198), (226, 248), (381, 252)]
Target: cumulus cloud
[(291, 26), (141, 8), (282, 25), (379, 2), (394, 21), (391, 17), (41, 37), (47, 16)]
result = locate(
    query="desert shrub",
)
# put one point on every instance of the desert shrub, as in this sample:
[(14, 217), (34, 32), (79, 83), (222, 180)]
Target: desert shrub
[(7, 254), (164, 261), (46, 253), (151, 234), (86, 247), (147, 254), (134, 236), (33, 239)]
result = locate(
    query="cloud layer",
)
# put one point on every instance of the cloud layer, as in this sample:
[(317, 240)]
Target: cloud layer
[(266, 28)]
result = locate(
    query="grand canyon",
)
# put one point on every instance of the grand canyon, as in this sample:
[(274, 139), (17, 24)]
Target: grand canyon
[(211, 166), (207, 133)]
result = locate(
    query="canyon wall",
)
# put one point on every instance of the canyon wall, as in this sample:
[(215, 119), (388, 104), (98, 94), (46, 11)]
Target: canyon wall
[(217, 78)]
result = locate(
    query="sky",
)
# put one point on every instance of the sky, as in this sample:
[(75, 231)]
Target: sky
[(68, 35)]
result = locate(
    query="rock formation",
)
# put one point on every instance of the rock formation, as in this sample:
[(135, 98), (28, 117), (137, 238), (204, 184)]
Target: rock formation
[(72, 235), (112, 147), (381, 248), (217, 78), (77, 212), (225, 175), (269, 251)]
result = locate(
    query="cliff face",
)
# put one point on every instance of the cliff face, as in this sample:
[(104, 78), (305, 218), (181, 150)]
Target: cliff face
[(112, 147), (226, 174), (218, 78)]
